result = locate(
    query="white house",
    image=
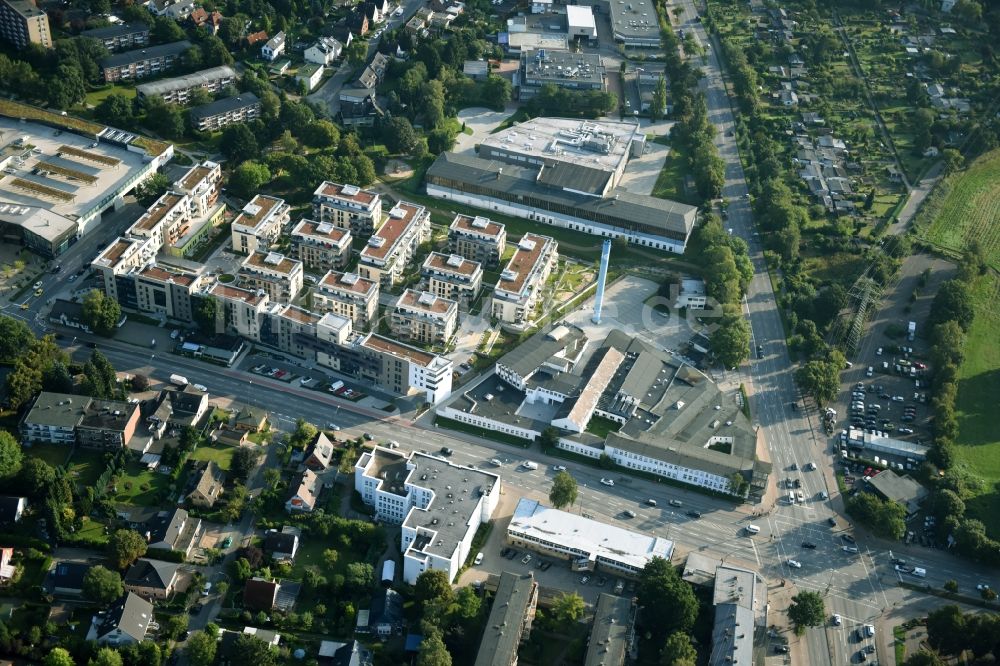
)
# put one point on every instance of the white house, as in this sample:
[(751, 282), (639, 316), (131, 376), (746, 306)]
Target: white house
[(310, 74), (324, 51), (274, 48)]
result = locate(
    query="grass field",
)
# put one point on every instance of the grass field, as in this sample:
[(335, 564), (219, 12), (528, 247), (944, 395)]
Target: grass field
[(966, 207), (978, 388), (220, 453), (96, 97), (670, 182), (137, 485)]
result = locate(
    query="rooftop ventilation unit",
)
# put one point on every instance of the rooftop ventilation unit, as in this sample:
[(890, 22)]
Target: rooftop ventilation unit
[(480, 222), (350, 278), (251, 209), (350, 190), (426, 298), (376, 241), (397, 213), (324, 228), (508, 275), (455, 261), (526, 244), (274, 258)]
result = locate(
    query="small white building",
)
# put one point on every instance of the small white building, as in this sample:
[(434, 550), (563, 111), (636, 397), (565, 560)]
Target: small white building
[(311, 75), (274, 48), (324, 51), (691, 295), (580, 22)]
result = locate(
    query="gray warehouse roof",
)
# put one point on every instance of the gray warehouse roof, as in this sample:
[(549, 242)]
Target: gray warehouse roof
[(148, 53), (223, 105), (901, 489), (203, 77)]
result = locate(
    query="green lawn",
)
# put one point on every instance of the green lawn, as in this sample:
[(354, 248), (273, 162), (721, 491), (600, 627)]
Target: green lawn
[(92, 530), (138, 485), (601, 426), (670, 182), (86, 466), (53, 454), (220, 453), (978, 388), (96, 97)]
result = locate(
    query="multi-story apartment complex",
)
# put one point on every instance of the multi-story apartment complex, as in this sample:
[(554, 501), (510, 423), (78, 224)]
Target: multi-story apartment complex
[(259, 224), (453, 276), (140, 63), (167, 292), (394, 244), (62, 418), (243, 309), (348, 207), (287, 326), (216, 115), (23, 23), (321, 245), (117, 261), (348, 295), (510, 619), (201, 185), (422, 317), (178, 90), (477, 238), (121, 36), (439, 505), (520, 286), (162, 221), (277, 275)]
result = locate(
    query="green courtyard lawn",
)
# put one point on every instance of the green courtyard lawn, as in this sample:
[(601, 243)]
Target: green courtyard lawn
[(670, 182), (86, 466), (140, 486), (601, 426), (221, 454), (53, 454), (97, 96)]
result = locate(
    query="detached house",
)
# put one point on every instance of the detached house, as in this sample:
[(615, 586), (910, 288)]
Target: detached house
[(304, 495), (11, 509), (318, 455), (259, 594), (126, 622), (208, 487), (274, 48), (152, 579), (282, 546), (324, 51)]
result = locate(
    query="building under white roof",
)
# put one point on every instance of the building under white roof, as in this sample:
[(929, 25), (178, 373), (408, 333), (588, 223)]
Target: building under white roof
[(580, 21), (589, 542)]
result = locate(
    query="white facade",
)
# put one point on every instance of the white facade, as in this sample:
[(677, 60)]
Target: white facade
[(274, 48), (324, 51)]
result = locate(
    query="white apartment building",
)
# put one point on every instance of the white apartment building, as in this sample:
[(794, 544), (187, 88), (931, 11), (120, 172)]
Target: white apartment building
[(278, 276), (244, 309), (347, 295), (201, 185), (477, 239), (348, 207), (161, 223), (122, 256), (324, 51), (321, 245), (453, 276), (259, 224), (390, 250), (520, 286), (439, 505), (422, 317)]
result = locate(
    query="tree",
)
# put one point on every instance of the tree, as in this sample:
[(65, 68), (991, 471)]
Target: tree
[(885, 517), (731, 340), (953, 302), (106, 657), (101, 313), (946, 629), (58, 657), (248, 178), (322, 134), (670, 604), (548, 439), (243, 462), (238, 143), (115, 110), (947, 503), (152, 188), (951, 586), (253, 650), (953, 160), (296, 117), (433, 651), (176, 626), (496, 92), (10, 455), (149, 654), (806, 610), (330, 557), (399, 135), (821, 378), (564, 490), (206, 315), (15, 336), (658, 105), (125, 547), (568, 607), (433, 585), (678, 651), (165, 119), (102, 585), (924, 658), (35, 478), (356, 52), (440, 140), (166, 30), (359, 575), (948, 340)]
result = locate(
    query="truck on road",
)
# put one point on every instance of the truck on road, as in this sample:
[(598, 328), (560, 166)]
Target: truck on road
[(179, 380), (911, 331)]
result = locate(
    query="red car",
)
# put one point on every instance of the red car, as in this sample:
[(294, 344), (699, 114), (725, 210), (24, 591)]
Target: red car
[(868, 471)]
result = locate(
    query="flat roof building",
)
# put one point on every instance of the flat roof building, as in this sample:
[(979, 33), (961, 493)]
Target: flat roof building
[(278, 276), (634, 23), (588, 544), (216, 115), (140, 63), (394, 244), (613, 632), (438, 504), (348, 207), (573, 71), (321, 245), (521, 283), (580, 22), (23, 23), (422, 317), (477, 238), (900, 489), (201, 184), (259, 224), (347, 295), (120, 36), (510, 620), (61, 418), (177, 90), (452, 276)]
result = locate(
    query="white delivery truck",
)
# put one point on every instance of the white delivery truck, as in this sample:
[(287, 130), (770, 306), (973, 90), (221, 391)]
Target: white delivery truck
[(179, 380)]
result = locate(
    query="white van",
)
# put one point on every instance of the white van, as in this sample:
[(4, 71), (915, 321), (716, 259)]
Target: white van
[(919, 573), (496, 462), (527, 464), (752, 529), (791, 497)]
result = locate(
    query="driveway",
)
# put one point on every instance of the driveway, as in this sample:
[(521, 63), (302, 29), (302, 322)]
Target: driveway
[(481, 121)]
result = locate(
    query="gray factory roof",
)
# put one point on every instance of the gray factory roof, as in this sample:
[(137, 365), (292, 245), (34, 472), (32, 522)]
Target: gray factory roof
[(59, 410), (562, 67), (732, 636), (527, 357), (224, 105), (619, 209), (635, 20), (147, 53), (203, 77)]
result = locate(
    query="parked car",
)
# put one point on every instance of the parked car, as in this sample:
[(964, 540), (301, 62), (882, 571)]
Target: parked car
[(795, 564), (607, 482), (526, 559)]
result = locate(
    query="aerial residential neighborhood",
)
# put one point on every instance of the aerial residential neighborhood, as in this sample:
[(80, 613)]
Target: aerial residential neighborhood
[(485, 332)]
